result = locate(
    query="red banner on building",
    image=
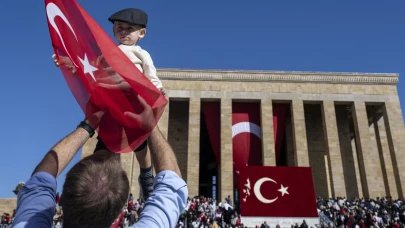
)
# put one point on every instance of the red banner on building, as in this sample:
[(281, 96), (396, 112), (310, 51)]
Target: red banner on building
[(212, 114), (277, 192), (102, 78), (246, 136)]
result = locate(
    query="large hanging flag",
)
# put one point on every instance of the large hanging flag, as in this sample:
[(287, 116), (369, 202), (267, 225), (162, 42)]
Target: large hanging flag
[(277, 192), (100, 75), (246, 137)]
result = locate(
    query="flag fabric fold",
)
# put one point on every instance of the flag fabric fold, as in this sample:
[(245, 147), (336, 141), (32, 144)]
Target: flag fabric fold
[(100, 75)]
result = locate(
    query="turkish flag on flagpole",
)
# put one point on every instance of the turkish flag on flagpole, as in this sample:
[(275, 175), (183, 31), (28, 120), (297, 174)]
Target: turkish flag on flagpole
[(102, 79), (277, 192)]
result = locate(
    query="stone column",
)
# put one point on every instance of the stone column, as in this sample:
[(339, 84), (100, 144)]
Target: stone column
[(193, 162), (332, 147), (163, 123), (269, 156), (89, 146), (135, 188), (299, 133), (357, 169), (394, 125), (369, 161), (385, 153), (291, 156), (127, 160), (226, 173)]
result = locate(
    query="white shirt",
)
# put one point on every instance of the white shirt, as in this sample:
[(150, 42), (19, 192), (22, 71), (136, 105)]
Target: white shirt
[(143, 62)]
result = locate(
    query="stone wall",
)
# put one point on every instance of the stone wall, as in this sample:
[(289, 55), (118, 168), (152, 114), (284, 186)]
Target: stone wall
[(178, 133), (8, 205), (316, 148), (281, 91), (348, 162)]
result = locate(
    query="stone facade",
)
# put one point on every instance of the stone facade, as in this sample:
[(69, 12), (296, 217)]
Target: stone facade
[(8, 205), (329, 127)]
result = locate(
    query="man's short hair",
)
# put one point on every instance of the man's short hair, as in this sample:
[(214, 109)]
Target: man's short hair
[(95, 191)]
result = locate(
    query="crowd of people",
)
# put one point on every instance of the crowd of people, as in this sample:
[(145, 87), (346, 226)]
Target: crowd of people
[(362, 212), (6, 218), (205, 212)]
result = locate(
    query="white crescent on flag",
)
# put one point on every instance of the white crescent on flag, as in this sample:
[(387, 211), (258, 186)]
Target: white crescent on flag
[(52, 11), (256, 190), (248, 127)]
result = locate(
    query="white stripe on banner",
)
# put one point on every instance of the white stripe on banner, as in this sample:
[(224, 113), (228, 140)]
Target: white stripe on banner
[(246, 127)]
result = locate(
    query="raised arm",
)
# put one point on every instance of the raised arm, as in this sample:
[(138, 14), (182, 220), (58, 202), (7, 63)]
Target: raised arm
[(36, 200), (169, 197), (60, 155), (162, 154)]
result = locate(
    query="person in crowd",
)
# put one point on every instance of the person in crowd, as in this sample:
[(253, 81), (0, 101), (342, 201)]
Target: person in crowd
[(361, 212)]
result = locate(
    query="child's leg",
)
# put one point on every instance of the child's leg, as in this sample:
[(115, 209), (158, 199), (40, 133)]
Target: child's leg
[(146, 175), (99, 146)]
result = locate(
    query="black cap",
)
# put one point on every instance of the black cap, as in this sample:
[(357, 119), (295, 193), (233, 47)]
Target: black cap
[(130, 15)]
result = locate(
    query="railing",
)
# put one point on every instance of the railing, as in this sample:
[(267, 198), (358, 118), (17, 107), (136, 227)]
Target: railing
[(324, 220)]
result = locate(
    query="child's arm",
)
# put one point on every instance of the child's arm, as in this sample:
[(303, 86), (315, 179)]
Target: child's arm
[(149, 69)]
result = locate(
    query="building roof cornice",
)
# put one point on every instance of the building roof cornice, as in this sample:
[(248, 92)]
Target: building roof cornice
[(279, 76)]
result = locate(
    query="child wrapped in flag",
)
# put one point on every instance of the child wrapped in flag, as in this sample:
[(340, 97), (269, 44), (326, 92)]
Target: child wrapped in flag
[(129, 27)]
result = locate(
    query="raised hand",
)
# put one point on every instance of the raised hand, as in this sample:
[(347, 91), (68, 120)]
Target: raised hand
[(94, 114), (64, 61), (144, 114)]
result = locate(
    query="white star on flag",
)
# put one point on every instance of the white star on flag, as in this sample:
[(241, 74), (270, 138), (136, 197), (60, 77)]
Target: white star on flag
[(283, 190), (87, 67)]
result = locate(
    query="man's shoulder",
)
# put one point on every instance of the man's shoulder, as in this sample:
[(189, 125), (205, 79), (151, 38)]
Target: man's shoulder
[(40, 179), (36, 201), (170, 178)]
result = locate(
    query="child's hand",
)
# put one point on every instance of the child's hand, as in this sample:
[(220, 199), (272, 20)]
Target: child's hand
[(64, 62), (55, 60)]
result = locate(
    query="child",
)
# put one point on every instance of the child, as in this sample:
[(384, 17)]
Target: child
[(129, 28)]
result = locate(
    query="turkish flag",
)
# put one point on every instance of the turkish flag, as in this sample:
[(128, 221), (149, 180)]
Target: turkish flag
[(246, 136), (118, 221), (277, 192), (102, 79)]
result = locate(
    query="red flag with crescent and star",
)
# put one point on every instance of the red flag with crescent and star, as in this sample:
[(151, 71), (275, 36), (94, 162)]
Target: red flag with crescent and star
[(246, 136), (277, 192), (102, 79)]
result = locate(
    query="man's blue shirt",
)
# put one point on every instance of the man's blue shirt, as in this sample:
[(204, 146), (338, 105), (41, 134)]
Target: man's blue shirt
[(36, 202)]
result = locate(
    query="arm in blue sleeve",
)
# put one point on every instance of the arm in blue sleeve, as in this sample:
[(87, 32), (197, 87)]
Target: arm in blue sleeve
[(165, 204), (36, 202)]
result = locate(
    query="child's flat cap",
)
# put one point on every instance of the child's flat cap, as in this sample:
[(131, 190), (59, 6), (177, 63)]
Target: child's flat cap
[(130, 15)]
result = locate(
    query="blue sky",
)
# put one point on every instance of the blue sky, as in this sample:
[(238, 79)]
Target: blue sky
[(37, 108)]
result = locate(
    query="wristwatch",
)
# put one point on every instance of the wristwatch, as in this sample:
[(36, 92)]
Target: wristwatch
[(86, 127)]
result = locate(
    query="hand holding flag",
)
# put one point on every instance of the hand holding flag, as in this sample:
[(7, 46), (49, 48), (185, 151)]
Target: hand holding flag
[(64, 61)]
